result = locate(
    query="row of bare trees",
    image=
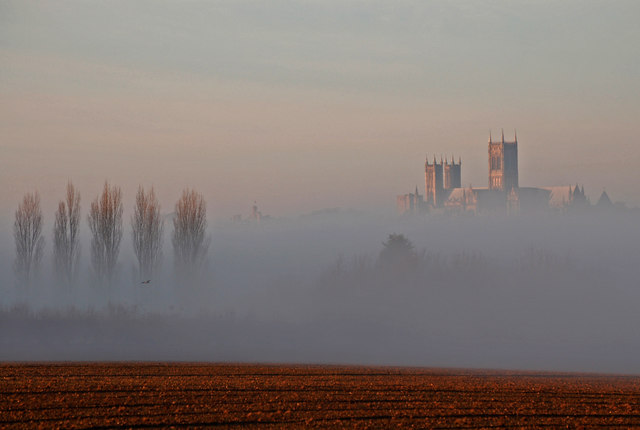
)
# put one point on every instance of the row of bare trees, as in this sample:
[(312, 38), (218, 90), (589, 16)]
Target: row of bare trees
[(189, 239)]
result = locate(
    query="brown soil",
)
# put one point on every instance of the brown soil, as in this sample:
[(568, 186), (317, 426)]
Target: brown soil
[(188, 395)]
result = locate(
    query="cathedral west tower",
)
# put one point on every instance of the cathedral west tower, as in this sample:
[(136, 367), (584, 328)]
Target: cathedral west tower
[(439, 178)]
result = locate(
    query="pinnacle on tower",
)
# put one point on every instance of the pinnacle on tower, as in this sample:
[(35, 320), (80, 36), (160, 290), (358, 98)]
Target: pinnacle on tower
[(502, 135), (489, 136), (515, 135)]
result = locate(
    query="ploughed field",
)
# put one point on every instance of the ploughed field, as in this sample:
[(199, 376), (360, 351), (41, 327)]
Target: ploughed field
[(171, 394)]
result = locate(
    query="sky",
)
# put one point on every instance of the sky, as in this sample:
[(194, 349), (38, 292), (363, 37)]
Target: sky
[(304, 105)]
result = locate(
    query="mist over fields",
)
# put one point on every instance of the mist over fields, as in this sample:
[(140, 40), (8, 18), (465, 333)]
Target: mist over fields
[(298, 106), (550, 292)]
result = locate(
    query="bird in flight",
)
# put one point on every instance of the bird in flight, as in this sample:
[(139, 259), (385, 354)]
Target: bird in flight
[(146, 282)]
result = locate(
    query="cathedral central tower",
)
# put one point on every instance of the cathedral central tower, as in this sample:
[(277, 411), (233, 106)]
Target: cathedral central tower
[(503, 164)]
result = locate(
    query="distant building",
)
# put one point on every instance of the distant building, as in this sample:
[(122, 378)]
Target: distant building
[(444, 193), (255, 216), (604, 202), (409, 203)]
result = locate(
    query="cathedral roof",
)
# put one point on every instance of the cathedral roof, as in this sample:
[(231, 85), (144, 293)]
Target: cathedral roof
[(457, 194), (604, 201), (560, 196)]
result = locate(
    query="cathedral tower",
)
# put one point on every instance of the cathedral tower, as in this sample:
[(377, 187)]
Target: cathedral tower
[(440, 177), (503, 164), (452, 174), (434, 182)]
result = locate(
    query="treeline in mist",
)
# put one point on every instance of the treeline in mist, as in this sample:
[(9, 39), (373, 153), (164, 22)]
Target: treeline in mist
[(552, 291), (106, 225)]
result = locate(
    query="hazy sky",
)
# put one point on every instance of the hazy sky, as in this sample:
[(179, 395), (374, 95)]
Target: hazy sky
[(313, 104)]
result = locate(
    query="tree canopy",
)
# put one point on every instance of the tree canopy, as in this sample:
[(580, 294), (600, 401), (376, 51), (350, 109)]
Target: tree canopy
[(397, 250)]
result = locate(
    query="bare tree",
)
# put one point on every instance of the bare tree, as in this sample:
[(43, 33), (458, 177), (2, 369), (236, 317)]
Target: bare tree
[(105, 222), (27, 232), (190, 245), (147, 229), (66, 246)]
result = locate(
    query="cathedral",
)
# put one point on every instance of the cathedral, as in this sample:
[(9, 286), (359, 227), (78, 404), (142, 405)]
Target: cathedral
[(444, 191)]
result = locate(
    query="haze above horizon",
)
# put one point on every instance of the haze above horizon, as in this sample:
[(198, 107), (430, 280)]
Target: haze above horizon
[(306, 105)]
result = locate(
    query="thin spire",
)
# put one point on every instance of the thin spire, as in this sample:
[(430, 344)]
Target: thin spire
[(489, 136), (515, 134), (502, 135)]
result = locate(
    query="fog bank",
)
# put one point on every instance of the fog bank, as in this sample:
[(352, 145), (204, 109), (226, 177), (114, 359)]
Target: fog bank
[(552, 292)]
